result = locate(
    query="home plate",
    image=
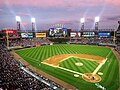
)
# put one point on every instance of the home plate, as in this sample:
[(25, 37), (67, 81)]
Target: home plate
[(79, 64), (76, 75), (100, 73)]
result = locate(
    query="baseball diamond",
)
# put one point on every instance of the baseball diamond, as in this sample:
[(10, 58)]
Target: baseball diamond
[(81, 66)]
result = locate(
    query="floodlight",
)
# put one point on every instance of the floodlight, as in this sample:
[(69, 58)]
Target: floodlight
[(33, 20), (18, 18), (82, 20), (97, 19)]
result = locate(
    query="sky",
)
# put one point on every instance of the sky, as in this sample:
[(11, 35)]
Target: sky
[(67, 12)]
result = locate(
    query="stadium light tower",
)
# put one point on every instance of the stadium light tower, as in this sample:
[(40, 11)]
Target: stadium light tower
[(82, 20), (97, 19), (18, 19), (118, 26), (33, 24)]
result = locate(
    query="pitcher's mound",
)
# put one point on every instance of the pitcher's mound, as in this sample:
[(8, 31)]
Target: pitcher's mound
[(79, 64), (91, 78)]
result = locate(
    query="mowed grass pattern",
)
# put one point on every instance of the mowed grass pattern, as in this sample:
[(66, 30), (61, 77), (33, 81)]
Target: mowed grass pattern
[(110, 69), (88, 65)]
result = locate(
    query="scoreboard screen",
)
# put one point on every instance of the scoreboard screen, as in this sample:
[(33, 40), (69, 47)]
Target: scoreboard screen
[(118, 34), (104, 34), (88, 34), (58, 32), (27, 35), (75, 34)]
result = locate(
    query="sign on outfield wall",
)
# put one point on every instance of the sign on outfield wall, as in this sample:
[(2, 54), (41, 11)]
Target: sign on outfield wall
[(40, 35)]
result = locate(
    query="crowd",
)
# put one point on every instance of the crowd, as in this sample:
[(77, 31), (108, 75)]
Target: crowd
[(12, 77), (96, 41), (118, 48), (91, 40), (106, 40), (42, 41), (28, 42)]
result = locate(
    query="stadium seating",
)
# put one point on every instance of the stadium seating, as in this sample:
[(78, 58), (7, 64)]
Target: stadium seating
[(12, 77), (29, 42)]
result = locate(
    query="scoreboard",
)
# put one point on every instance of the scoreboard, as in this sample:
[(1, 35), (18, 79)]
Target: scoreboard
[(104, 34), (88, 34), (118, 36), (57, 32), (75, 34), (27, 35)]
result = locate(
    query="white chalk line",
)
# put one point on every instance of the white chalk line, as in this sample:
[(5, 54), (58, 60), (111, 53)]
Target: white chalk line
[(71, 71), (94, 72), (99, 66), (64, 69)]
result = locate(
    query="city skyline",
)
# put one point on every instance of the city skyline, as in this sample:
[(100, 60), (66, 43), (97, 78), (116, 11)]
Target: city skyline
[(67, 12)]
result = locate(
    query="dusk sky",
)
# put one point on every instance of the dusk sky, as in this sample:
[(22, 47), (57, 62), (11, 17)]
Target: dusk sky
[(67, 12)]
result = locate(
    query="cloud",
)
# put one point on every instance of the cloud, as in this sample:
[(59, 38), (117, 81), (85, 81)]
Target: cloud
[(113, 2), (24, 23), (1, 10), (65, 11), (58, 3), (23, 14), (115, 18)]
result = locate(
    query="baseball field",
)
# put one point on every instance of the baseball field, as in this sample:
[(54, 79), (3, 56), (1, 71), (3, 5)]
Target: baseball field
[(84, 67)]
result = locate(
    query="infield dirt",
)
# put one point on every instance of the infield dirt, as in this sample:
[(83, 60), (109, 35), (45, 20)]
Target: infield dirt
[(55, 60)]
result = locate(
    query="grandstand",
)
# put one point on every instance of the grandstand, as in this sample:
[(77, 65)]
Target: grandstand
[(15, 74)]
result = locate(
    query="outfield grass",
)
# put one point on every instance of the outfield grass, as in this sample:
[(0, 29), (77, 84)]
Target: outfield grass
[(110, 69)]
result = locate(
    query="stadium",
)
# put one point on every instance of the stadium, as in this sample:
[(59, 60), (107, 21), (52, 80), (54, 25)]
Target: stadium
[(59, 57), (62, 59)]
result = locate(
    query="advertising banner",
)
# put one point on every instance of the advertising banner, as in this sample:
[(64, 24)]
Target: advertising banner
[(9, 31), (104, 34), (118, 34), (88, 34), (40, 35), (27, 35), (75, 34)]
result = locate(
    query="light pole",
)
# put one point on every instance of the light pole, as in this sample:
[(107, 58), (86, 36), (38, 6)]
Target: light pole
[(33, 26), (82, 20), (119, 26), (118, 33), (18, 19), (97, 19)]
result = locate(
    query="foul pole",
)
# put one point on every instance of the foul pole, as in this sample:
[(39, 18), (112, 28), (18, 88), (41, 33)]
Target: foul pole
[(114, 36), (7, 41)]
